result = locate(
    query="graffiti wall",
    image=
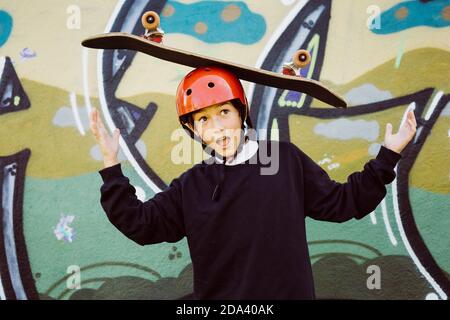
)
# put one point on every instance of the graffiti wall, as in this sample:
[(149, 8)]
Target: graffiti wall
[(382, 56)]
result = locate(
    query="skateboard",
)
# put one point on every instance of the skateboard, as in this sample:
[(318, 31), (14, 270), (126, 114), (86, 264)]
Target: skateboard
[(151, 43)]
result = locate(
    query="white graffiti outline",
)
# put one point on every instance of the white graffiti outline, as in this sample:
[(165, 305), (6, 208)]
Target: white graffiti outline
[(398, 219), (76, 114)]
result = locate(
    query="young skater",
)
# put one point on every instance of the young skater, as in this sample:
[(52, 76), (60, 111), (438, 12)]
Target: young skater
[(243, 216)]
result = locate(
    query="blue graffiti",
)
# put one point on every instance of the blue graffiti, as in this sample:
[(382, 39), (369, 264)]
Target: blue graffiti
[(214, 21), (6, 23), (414, 13)]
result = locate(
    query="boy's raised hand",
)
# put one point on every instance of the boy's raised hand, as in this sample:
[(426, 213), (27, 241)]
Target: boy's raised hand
[(109, 146), (397, 142)]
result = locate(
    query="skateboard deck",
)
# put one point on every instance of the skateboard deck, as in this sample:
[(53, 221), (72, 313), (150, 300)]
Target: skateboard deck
[(120, 40)]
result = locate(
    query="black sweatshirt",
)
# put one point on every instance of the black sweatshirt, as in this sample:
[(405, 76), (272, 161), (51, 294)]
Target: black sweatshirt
[(251, 243)]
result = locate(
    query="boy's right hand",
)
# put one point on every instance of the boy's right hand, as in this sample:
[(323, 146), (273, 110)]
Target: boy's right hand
[(109, 146)]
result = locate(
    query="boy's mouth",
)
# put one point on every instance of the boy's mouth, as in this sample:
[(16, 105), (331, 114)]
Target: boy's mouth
[(223, 141)]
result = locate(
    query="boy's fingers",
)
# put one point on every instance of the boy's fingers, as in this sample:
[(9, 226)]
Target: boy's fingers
[(97, 118), (388, 129), (91, 119), (97, 126), (412, 124), (116, 135), (100, 129), (412, 118), (97, 115), (100, 123), (95, 130), (92, 123)]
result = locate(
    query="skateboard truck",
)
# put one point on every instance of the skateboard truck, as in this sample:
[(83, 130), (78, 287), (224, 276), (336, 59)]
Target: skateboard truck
[(300, 59), (150, 21)]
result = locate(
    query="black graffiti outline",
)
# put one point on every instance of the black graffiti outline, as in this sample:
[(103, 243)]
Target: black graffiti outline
[(20, 160), (112, 81), (10, 78)]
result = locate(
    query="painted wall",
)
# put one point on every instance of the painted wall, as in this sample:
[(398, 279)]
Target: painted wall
[(382, 56)]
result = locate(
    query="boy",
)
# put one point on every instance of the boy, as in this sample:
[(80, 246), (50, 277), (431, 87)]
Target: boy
[(245, 229)]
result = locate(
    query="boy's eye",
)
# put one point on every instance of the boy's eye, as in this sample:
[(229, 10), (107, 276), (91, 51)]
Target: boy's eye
[(202, 119), (225, 111)]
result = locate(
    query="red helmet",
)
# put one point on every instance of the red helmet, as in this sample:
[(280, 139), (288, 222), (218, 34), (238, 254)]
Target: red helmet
[(206, 86)]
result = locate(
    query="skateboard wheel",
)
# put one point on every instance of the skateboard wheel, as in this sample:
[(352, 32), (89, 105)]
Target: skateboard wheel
[(150, 20), (301, 58)]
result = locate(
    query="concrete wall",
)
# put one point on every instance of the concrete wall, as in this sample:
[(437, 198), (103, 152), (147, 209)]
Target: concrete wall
[(55, 240)]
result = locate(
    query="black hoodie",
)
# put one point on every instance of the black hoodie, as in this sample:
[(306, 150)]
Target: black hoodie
[(251, 243)]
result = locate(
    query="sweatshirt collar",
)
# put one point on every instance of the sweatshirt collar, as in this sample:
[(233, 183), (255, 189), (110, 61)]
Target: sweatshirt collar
[(248, 150)]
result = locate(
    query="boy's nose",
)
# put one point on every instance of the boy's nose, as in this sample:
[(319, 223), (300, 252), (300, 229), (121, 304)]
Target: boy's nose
[(217, 122)]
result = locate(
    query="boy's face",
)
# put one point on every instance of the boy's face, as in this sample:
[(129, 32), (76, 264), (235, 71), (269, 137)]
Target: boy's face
[(219, 126)]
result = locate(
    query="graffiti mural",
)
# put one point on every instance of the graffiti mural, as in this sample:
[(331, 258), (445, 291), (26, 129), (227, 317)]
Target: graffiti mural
[(55, 240)]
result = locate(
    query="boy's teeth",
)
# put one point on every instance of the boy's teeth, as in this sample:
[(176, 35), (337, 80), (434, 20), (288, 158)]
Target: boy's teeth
[(222, 140)]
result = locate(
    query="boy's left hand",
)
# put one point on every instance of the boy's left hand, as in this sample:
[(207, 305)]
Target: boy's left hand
[(397, 142)]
